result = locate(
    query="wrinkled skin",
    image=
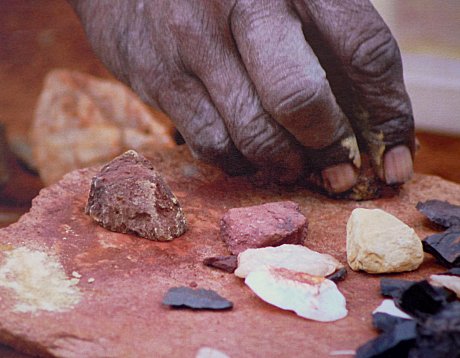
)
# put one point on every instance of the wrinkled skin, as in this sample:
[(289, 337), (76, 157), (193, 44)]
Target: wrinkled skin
[(277, 85)]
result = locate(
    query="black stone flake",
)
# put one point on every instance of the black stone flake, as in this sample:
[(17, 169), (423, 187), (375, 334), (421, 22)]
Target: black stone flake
[(186, 297), (392, 287), (439, 335), (420, 299), (440, 212), (338, 275), (385, 322), (434, 331), (445, 246), (454, 271), (394, 343)]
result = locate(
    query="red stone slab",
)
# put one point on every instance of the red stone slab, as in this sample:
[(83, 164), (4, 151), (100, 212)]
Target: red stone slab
[(120, 314)]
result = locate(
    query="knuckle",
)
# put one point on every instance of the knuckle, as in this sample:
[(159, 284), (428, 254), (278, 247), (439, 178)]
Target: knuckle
[(290, 99), (376, 54), (180, 19), (250, 13), (197, 120), (264, 144), (396, 130)]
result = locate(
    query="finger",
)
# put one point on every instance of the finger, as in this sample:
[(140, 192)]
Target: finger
[(258, 137), (293, 87), (286, 73), (370, 57), (261, 140), (188, 104)]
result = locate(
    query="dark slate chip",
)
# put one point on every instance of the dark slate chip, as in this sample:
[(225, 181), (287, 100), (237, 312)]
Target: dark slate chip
[(439, 335), (440, 212), (394, 343), (224, 263), (445, 247), (433, 333), (386, 322), (187, 297), (454, 271), (392, 287), (420, 299), (338, 275)]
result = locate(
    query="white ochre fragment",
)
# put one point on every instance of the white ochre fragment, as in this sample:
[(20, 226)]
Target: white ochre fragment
[(378, 242), (311, 297), (293, 257)]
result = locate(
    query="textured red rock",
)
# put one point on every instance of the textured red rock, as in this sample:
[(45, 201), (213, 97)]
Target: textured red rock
[(270, 224), (120, 314), (129, 196)]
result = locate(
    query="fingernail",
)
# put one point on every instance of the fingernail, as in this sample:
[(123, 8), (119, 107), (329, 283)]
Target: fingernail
[(339, 178), (398, 165)]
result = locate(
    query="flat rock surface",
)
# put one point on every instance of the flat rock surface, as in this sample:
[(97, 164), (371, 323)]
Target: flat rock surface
[(111, 304)]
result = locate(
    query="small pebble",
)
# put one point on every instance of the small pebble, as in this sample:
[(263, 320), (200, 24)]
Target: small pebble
[(76, 274), (224, 263), (207, 352)]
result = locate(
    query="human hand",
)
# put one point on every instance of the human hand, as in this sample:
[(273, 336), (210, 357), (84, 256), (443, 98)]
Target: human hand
[(276, 85)]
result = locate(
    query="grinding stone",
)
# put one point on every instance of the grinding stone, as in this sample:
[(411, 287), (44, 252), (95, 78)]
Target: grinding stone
[(123, 279)]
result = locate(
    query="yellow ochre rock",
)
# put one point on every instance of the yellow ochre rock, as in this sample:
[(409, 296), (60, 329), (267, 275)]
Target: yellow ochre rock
[(378, 242)]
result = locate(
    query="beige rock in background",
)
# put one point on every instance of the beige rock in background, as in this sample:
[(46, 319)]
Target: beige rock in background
[(378, 242), (81, 120)]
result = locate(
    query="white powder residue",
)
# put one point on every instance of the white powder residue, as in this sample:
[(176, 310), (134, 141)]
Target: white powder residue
[(207, 352), (38, 281), (352, 145)]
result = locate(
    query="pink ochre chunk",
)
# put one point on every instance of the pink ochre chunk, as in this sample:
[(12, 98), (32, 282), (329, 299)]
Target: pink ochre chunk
[(270, 224)]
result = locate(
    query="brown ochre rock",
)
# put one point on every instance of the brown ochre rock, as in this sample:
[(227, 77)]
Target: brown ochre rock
[(129, 196)]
